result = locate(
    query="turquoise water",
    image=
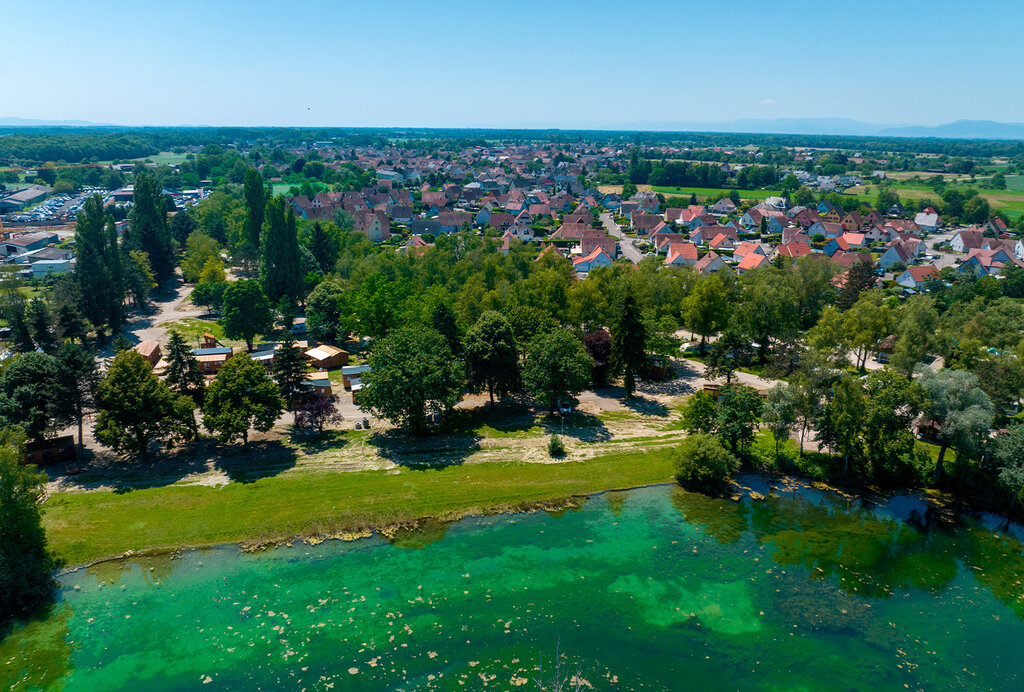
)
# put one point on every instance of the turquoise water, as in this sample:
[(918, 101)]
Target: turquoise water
[(654, 589)]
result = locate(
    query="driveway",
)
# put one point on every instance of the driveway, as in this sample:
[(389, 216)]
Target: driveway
[(626, 247)]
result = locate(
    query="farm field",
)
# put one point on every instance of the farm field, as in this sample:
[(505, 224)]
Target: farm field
[(712, 192)]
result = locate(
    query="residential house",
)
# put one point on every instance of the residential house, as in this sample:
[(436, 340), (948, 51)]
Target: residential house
[(852, 222), (325, 356), (792, 249), (150, 351), (723, 207), (709, 263), (829, 229), (373, 224), (597, 258), (988, 261), (967, 239), (747, 248), (928, 220), (319, 382), (682, 255), (752, 260), (454, 221), (917, 277), (898, 251), (211, 360), (592, 241)]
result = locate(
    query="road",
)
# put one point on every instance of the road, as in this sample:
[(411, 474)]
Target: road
[(626, 247)]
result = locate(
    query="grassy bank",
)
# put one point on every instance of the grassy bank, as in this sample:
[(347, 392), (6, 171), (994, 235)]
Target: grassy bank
[(88, 526)]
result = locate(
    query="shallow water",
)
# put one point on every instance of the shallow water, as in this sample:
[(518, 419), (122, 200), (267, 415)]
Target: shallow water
[(649, 589)]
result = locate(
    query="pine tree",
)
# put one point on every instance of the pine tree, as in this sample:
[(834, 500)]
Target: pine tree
[(70, 325), (443, 320), (75, 384), (40, 322), (280, 270), (289, 372), (255, 207), (149, 231), (320, 247), (22, 336), (860, 276), (182, 374), (629, 340)]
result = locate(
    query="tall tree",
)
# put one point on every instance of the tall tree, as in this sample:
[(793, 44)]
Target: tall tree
[(629, 342), (706, 309), (917, 324), (599, 345), (960, 410), (324, 305), (839, 425), (727, 355), (280, 269), (557, 368), (442, 319), (247, 311), (492, 357), (779, 413), (26, 566), (412, 374), (40, 321), (289, 372), (75, 385), (739, 410), (98, 266), (181, 226), (241, 397), (859, 277), (323, 248), (255, 206), (182, 374), (27, 384), (135, 407), (149, 231)]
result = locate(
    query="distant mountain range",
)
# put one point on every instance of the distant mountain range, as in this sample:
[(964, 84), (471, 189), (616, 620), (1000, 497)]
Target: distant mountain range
[(961, 129)]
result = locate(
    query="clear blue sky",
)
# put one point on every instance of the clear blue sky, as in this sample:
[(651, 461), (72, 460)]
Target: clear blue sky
[(557, 63)]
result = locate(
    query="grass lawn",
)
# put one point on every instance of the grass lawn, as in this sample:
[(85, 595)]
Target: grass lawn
[(164, 158), (87, 526), (714, 192), (282, 188), (193, 328)]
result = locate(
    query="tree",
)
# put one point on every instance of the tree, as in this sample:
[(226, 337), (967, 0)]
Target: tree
[(148, 229), (918, 322), (739, 410), (27, 384), (280, 268), (700, 414), (491, 356), (289, 372), (40, 322), (960, 410), (887, 199), (26, 566), (859, 277), (768, 307), (779, 414), (181, 226), (599, 346), (727, 355), (703, 464), (891, 405), (135, 407), (70, 324), (247, 311), (629, 341), (241, 397), (75, 385), (317, 411), (839, 425), (139, 278), (706, 309), (413, 373), (324, 305), (255, 207), (98, 266), (209, 295), (1002, 378), (628, 190), (323, 248), (557, 368), (443, 320), (183, 375), (200, 249), (1009, 455), (866, 323)]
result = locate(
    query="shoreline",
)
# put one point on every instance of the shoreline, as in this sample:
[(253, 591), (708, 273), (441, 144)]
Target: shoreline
[(362, 532)]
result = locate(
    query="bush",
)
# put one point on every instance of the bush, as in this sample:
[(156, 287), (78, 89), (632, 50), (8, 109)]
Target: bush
[(703, 464), (556, 447)]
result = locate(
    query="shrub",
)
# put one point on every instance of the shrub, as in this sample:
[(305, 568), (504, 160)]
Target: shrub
[(703, 464), (556, 447)]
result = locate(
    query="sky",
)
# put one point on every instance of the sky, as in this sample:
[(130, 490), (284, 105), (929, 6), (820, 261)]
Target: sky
[(557, 63)]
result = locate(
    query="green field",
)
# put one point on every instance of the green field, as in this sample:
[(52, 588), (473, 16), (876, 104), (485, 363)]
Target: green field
[(165, 158), (282, 188), (1010, 201), (88, 526), (717, 193)]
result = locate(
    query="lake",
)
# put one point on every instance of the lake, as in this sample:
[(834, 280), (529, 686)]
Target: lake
[(651, 589)]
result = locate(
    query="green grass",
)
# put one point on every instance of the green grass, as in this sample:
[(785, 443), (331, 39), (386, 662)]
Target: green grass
[(714, 192), (88, 526), (164, 158), (193, 328), (282, 188)]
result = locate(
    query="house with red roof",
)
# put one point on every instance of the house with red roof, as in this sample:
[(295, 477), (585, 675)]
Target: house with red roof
[(682, 255), (752, 260), (710, 262), (916, 277), (597, 258)]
